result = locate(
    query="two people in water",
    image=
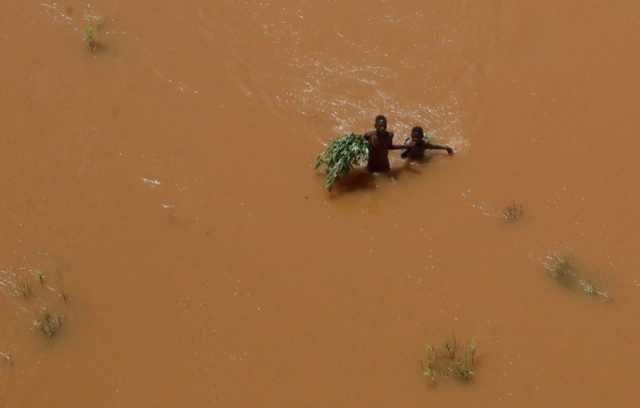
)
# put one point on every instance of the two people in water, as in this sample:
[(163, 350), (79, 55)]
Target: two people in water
[(381, 141)]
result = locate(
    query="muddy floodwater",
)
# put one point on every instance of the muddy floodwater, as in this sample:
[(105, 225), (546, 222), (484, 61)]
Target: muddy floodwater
[(158, 196)]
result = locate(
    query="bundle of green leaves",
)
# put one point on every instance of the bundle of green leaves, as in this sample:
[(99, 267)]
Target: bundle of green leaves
[(341, 155)]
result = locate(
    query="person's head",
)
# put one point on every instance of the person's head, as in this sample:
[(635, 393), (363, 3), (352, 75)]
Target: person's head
[(417, 133), (381, 123)]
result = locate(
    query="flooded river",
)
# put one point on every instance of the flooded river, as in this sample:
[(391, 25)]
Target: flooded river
[(159, 194)]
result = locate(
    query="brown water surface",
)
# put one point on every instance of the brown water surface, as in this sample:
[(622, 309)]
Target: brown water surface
[(164, 187)]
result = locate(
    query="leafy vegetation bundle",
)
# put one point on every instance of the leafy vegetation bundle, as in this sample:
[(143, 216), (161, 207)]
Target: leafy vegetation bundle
[(341, 155)]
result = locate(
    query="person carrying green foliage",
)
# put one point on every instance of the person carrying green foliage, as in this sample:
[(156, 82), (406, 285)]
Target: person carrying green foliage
[(349, 151), (417, 144), (380, 141)]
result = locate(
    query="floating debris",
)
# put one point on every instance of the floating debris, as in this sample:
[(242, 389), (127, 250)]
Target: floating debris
[(151, 182), (6, 357)]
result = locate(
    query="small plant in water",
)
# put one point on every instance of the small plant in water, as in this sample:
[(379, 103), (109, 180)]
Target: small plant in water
[(450, 361), (450, 346), (48, 324), (429, 368), (93, 24), (40, 276), (513, 212), (90, 37), (589, 288)]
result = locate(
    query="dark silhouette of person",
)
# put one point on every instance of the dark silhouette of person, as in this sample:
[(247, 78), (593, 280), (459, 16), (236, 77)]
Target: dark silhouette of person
[(380, 142), (416, 145)]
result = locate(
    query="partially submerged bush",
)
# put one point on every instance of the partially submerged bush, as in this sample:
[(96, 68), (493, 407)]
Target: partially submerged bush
[(513, 212), (341, 156), (48, 324), (563, 270), (450, 360)]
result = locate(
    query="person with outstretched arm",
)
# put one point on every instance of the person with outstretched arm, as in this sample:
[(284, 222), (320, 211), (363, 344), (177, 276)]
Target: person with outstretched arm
[(416, 145)]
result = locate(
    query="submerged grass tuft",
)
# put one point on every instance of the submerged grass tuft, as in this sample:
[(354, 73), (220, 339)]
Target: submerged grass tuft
[(589, 288), (23, 288), (48, 324), (90, 31), (40, 277), (341, 156), (450, 361), (513, 212), (563, 270), (8, 358), (90, 37)]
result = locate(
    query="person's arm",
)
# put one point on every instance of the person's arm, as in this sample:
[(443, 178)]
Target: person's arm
[(395, 147), (399, 147), (432, 146)]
